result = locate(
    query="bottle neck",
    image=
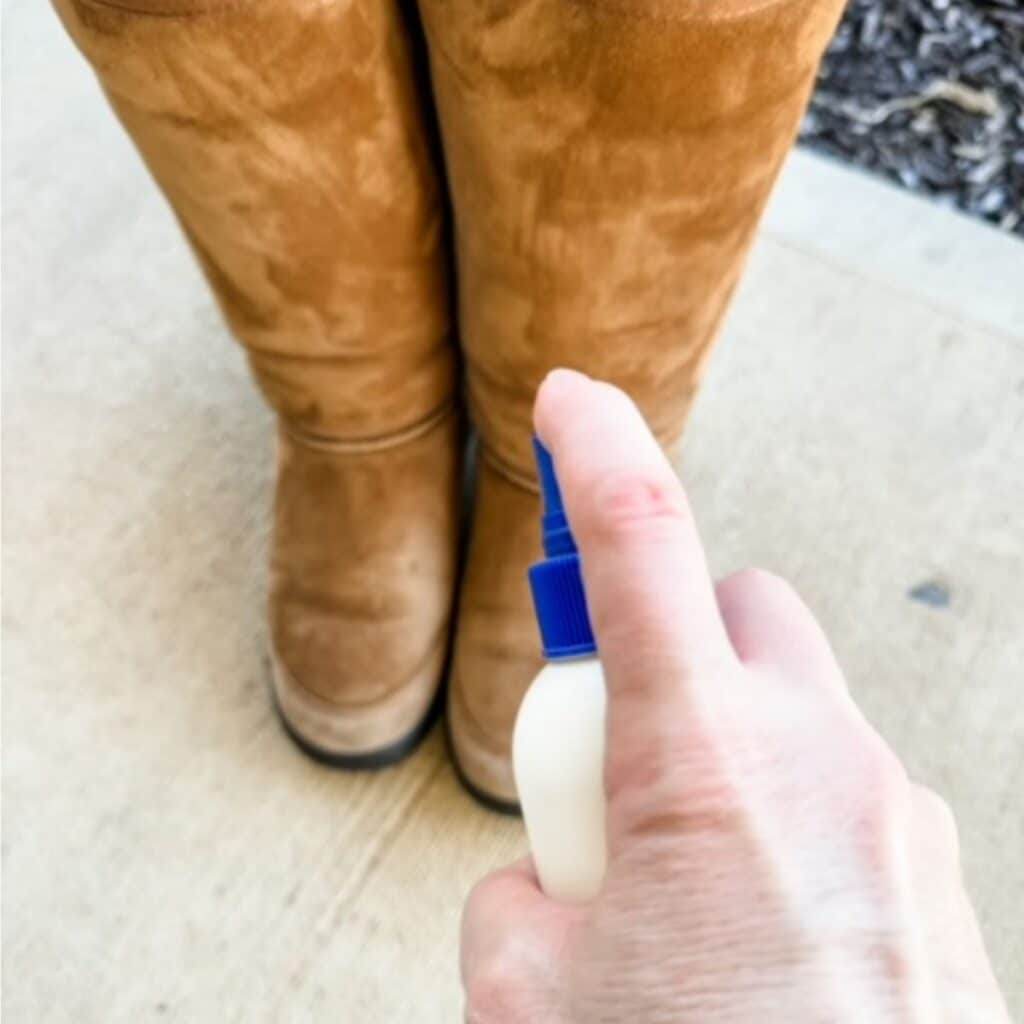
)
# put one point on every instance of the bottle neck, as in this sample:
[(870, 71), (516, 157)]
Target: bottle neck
[(556, 582), (562, 659)]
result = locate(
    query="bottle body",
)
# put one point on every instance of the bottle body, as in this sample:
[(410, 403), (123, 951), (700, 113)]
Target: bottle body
[(558, 759)]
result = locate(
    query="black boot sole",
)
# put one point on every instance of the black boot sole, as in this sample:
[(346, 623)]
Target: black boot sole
[(371, 760)]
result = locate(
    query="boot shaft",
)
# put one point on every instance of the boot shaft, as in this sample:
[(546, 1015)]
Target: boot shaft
[(609, 162), (291, 142)]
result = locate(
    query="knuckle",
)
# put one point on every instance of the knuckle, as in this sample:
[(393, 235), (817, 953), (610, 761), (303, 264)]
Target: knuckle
[(495, 995), (936, 816), (757, 582), (884, 774), (633, 500), (684, 789), (479, 901), (881, 804)]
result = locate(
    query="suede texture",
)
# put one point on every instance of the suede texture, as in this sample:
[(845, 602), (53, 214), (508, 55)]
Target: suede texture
[(291, 141), (362, 578), (497, 645), (608, 163)]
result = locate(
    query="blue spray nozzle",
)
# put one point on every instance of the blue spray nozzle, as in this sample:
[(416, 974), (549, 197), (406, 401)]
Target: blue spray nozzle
[(557, 583), (557, 537)]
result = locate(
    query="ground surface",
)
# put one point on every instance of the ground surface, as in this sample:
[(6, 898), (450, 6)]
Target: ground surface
[(168, 855)]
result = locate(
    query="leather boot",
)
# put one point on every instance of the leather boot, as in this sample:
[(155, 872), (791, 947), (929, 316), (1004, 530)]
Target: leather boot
[(608, 163), (290, 141)]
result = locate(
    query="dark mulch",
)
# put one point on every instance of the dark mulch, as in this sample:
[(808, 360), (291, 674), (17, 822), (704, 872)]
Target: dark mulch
[(929, 93)]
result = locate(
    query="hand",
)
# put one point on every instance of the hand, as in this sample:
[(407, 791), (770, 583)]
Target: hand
[(769, 859)]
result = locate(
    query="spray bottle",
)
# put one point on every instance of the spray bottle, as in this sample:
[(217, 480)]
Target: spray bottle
[(558, 744)]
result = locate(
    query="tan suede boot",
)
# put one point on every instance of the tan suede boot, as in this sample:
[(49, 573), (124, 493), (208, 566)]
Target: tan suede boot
[(608, 163), (290, 141)]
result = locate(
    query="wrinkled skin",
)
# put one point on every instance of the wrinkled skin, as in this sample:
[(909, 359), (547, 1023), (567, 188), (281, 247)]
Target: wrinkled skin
[(769, 859)]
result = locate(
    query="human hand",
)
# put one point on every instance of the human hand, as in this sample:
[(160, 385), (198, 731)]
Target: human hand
[(768, 858)]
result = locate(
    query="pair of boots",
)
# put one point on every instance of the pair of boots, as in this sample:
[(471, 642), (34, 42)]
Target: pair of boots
[(606, 161)]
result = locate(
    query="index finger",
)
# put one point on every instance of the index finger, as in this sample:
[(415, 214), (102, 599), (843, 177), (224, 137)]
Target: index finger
[(650, 595)]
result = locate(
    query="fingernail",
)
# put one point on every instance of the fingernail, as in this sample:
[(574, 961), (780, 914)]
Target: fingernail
[(564, 375)]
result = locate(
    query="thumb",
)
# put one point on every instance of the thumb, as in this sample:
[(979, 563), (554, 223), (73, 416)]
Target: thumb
[(513, 938)]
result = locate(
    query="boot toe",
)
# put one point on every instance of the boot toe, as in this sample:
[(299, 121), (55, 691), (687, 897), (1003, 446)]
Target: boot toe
[(357, 736)]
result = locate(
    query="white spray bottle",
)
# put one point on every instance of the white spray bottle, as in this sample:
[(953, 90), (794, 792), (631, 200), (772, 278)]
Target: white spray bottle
[(558, 744)]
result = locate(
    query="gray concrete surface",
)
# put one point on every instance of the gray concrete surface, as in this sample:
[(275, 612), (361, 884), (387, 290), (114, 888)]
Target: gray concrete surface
[(167, 855)]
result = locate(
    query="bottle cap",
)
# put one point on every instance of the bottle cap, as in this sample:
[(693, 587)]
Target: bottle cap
[(557, 584)]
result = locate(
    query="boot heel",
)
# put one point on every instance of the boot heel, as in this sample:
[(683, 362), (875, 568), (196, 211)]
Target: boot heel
[(326, 732)]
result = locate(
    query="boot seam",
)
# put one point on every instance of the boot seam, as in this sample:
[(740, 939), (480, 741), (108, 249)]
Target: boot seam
[(377, 443), (507, 471), (169, 8), (698, 12)]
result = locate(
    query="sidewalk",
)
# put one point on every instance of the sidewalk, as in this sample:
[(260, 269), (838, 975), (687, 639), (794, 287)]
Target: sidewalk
[(168, 855)]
